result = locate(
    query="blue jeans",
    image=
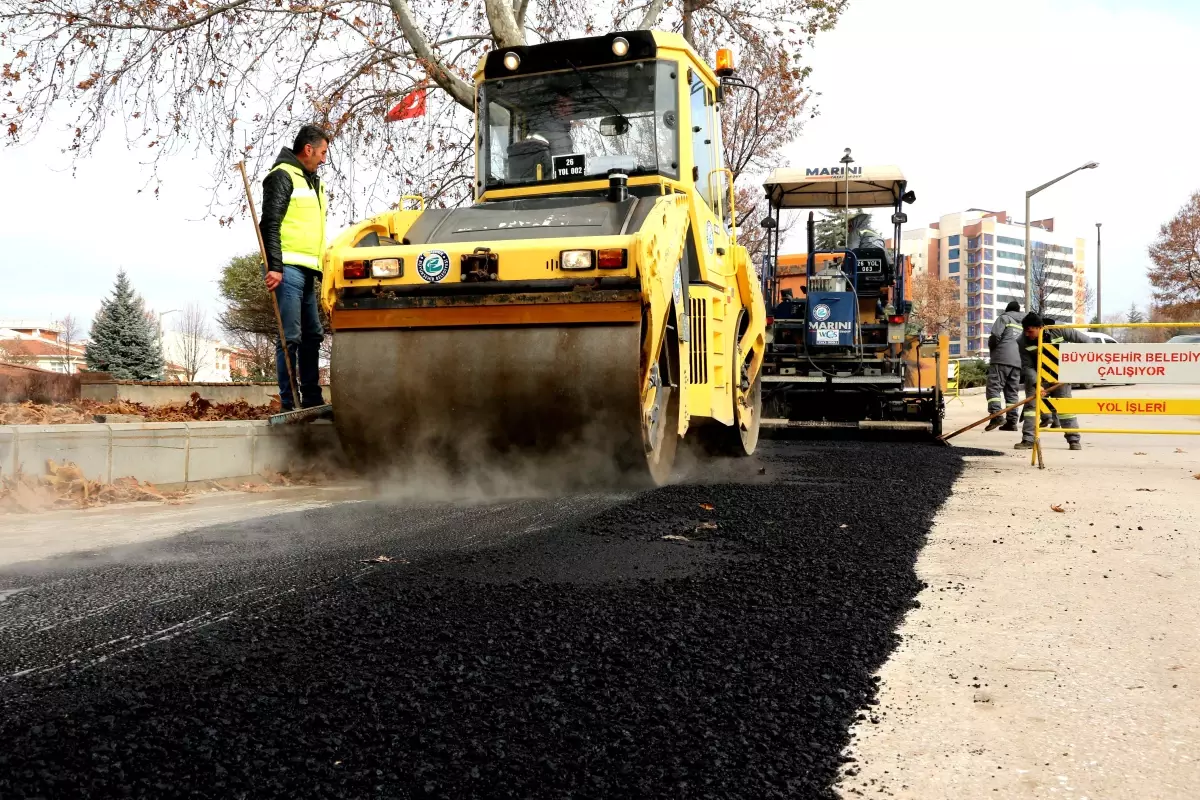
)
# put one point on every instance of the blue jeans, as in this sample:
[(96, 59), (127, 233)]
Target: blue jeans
[(297, 297)]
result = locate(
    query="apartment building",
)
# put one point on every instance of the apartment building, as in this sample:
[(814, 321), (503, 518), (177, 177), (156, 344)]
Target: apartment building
[(983, 252)]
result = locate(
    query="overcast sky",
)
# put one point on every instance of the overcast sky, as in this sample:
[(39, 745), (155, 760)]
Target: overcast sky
[(975, 101)]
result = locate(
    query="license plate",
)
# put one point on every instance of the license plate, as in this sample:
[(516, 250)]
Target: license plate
[(827, 337)]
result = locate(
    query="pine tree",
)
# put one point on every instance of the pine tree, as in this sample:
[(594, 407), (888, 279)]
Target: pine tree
[(830, 229), (123, 341)]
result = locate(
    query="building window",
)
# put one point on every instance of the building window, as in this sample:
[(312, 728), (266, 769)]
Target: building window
[(1010, 240), (973, 243), (953, 240), (954, 278), (987, 285), (953, 252), (987, 255), (953, 267), (987, 269), (987, 240), (955, 349), (973, 272), (1019, 272), (972, 331), (1007, 254), (988, 299)]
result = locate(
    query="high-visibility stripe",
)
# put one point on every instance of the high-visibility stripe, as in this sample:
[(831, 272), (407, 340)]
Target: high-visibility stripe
[(1066, 416), (1013, 325), (1029, 414), (995, 400), (301, 260)]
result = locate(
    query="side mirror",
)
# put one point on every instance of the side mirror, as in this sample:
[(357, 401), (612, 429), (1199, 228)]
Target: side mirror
[(614, 126), (769, 223)]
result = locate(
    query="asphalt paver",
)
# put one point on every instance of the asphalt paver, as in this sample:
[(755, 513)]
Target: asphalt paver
[(714, 638)]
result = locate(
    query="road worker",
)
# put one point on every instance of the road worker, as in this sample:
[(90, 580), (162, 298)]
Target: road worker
[(1004, 371), (293, 231), (1032, 325)]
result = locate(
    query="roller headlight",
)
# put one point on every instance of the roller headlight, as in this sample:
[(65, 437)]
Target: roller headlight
[(511, 61), (386, 268), (576, 259)]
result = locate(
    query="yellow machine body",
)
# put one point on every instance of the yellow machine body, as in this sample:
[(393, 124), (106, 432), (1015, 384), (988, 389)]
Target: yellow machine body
[(486, 327)]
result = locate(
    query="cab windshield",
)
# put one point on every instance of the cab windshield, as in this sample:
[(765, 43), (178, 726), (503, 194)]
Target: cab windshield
[(580, 124)]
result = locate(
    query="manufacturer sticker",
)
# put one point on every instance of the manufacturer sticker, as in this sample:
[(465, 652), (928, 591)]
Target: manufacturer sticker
[(433, 265), (820, 311), (827, 337), (709, 234), (680, 311)]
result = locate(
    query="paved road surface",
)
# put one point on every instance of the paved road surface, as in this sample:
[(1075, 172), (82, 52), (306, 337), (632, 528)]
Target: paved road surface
[(250, 646), (592, 646)]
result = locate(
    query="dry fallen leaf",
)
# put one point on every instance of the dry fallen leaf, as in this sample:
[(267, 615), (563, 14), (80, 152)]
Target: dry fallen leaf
[(706, 526), (1147, 490), (383, 560), (707, 506), (1139, 453), (1058, 508), (843, 525), (674, 537), (1180, 450), (1197, 476)]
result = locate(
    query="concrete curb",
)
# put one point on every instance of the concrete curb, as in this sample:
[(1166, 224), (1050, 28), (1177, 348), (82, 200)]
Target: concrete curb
[(160, 452)]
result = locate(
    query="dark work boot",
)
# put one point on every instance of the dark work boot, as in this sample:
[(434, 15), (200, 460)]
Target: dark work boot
[(1023, 446), (1009, 426), (996, 423)]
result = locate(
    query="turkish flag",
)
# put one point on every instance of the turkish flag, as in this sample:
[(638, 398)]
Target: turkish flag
[(411, 105)]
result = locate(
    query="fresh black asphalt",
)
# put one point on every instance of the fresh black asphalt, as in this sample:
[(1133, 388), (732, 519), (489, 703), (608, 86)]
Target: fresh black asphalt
[(521, 648)]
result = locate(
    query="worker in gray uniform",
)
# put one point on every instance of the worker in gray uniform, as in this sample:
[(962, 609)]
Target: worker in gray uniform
[(1004, 371), (1032, 325)]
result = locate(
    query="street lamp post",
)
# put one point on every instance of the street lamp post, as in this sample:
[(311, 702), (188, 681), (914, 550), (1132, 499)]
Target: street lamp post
[(1099, 312), (1029, 194)]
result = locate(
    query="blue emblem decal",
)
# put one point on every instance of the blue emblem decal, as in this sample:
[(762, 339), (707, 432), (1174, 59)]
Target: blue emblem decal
[(433, 265), (821, 312)]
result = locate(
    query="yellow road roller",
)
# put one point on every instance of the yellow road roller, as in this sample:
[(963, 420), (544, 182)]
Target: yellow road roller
[(593, 300)]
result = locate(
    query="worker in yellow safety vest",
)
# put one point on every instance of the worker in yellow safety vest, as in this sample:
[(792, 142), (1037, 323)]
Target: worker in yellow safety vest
[(293, 231)]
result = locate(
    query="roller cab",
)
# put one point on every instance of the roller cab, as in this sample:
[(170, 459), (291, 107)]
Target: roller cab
[(592, 298)]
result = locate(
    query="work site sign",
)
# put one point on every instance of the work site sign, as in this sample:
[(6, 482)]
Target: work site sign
[(1129, 363)]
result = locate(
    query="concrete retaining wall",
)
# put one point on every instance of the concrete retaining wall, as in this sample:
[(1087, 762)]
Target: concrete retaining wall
[(163, 394), (161, 452)]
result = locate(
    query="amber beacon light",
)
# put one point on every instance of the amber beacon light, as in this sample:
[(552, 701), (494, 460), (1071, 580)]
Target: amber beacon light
[(724, 62)]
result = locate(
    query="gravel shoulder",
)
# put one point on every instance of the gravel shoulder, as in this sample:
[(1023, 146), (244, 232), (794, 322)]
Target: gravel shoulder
[(1052, 654)]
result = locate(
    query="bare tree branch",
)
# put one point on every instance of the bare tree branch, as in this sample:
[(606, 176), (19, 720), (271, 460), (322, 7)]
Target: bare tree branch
[(653, 12), (456, 87)]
